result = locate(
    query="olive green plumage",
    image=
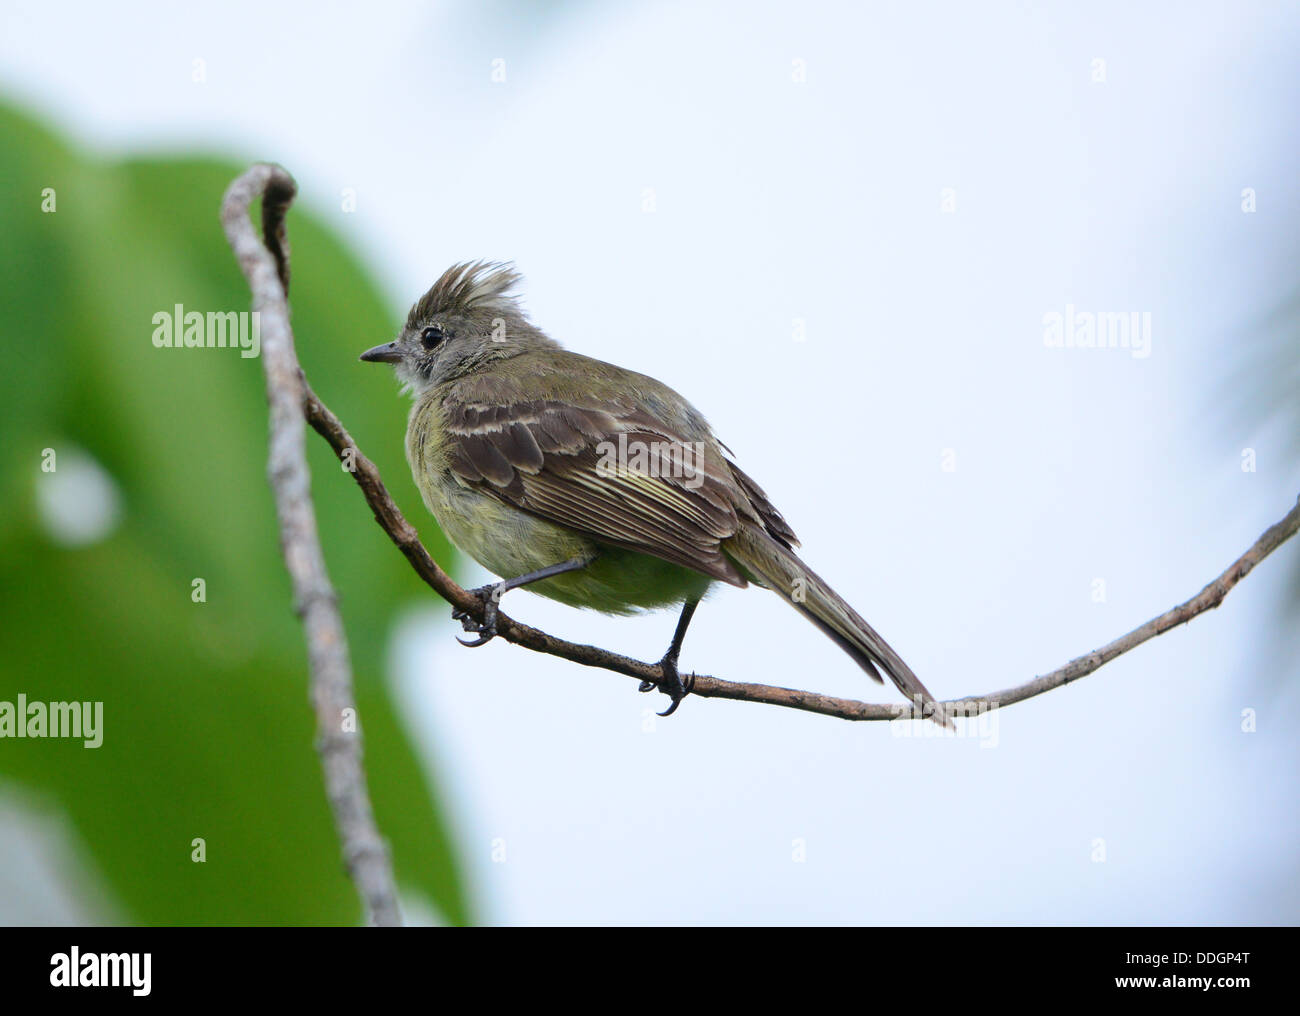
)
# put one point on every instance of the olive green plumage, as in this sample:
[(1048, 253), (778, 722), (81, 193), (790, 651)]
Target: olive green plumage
[(529, 455)]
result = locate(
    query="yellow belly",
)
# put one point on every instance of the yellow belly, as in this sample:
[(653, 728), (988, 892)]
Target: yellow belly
[(509, 542)]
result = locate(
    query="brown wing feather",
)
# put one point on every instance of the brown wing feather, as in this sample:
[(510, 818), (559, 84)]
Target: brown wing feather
[(772, 519), (544, 456)]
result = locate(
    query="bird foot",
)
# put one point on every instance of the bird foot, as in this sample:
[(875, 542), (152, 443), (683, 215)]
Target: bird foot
[(486, 630), (671, 684)]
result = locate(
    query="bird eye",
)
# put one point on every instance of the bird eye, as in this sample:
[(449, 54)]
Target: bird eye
[(430, 337)]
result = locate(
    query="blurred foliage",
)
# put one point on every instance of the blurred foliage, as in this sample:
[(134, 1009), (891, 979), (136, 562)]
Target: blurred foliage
[(1262, 393), (208, 732)]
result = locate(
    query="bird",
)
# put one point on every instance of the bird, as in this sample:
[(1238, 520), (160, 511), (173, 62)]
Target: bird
[(590, 484)]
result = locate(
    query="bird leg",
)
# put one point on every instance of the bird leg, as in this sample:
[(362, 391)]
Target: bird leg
[(486, 630), (671, 683)]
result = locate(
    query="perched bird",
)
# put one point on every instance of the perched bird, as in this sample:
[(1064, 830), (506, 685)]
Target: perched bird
[(590, 484)]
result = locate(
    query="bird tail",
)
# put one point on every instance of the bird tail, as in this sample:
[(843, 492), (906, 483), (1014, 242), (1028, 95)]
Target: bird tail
[(777, 567)]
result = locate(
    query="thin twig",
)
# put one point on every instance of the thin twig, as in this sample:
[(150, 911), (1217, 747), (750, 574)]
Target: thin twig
[(338, 731)]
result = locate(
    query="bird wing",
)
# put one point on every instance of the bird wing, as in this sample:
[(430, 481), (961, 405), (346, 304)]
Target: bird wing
[(772, 520), (609, 468)]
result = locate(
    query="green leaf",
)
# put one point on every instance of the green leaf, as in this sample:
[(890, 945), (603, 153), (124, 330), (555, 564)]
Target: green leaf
[(207, 728)]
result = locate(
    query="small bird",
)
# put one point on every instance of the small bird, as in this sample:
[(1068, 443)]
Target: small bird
[(590, 484)]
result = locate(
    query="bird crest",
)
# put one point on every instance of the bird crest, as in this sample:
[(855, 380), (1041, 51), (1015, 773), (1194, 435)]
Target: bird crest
[(469, 287)]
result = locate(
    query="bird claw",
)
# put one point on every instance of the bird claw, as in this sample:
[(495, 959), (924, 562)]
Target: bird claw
[(486, 630), (671, 684)]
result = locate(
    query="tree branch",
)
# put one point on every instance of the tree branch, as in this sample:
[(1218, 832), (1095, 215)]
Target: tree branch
[(338, 733), (407, 540)]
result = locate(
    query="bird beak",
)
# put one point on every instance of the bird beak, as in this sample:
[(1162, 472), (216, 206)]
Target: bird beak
[(387, 353)]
